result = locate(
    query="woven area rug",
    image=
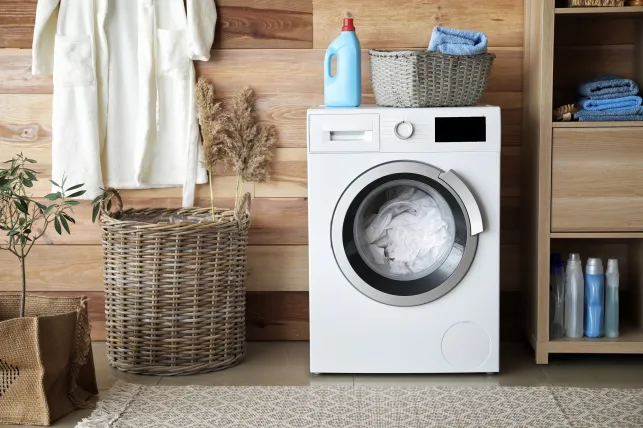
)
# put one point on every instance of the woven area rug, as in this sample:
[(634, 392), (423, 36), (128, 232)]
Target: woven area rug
[(139, 406)]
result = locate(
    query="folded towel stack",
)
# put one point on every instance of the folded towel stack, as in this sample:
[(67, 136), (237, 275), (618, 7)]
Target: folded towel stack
[(609, 98), (458, 42)]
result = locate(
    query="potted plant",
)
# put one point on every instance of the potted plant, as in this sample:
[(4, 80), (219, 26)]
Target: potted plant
[(46, 365)]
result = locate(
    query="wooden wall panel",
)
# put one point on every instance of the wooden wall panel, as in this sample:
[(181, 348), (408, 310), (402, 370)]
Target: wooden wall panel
[(408, 23), (273, 24), (268, 45), (241, 23), (17, 19)]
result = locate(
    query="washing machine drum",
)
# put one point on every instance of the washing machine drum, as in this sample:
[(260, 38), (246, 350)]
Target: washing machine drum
[(405, 233)]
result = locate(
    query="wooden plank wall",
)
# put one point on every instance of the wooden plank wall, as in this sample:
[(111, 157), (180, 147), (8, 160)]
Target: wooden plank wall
[(276, 47)]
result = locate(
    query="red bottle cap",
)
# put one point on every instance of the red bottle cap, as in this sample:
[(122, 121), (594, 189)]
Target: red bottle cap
[(348, 25)]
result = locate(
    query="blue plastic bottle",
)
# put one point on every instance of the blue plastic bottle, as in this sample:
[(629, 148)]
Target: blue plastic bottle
[(344, 89), (594, 298)]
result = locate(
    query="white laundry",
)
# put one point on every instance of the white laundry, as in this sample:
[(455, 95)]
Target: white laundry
[(409, 234), (123, 113)]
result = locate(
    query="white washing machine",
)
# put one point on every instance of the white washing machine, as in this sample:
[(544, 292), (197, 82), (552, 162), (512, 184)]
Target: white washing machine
[(404, 239)]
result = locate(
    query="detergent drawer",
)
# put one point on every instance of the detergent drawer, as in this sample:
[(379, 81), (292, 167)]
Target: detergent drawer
[(344, 133)]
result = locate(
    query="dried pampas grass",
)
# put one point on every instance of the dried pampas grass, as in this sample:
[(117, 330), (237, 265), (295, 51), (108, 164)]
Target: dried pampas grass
[(234, 136)]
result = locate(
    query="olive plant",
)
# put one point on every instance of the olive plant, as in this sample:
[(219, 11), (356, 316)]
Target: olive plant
[(25, 220)]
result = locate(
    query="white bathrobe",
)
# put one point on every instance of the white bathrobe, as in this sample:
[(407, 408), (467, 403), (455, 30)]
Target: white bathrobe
[(123, 112)]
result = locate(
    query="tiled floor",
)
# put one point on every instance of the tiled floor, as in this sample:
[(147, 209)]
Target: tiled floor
[(286, 363)]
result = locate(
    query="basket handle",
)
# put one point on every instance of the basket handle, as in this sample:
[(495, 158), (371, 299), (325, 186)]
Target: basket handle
[(111, 193), (245, 206)]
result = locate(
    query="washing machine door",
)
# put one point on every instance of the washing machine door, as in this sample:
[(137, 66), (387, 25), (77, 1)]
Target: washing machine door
[(405, 233)]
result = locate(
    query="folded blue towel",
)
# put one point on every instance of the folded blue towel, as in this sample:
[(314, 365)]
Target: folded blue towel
[(608, 116), (611, 104), (458, 42), (605, 87)]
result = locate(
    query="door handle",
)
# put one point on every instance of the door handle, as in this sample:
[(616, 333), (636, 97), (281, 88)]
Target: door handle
[(470, 204)]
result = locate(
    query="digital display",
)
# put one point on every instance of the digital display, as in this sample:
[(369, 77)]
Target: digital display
[(460, 129)]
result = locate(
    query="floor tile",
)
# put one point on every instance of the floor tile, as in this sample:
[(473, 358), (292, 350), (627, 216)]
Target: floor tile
[(106, 375), (596, 371), (266, 363), (517, 368)]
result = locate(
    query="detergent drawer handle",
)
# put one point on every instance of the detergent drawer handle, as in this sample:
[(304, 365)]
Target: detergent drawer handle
[(470, 204)]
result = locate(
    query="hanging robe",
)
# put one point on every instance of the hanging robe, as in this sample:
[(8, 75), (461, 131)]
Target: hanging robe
[(124, 114)]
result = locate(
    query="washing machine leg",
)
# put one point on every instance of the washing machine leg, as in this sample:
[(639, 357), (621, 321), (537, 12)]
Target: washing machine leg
[(316, 374), (490, 373)]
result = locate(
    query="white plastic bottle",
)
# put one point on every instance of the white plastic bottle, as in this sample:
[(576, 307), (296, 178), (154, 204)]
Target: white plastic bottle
[(611, 299), (574, 297)]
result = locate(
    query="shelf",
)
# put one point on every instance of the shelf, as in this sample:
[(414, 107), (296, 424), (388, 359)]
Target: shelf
[(625, 10), (596, 235), (629, 342), (597, 124)]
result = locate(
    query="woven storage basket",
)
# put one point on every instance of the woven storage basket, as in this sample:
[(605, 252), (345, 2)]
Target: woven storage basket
[(595, 3), (428, 79), (175, 292)]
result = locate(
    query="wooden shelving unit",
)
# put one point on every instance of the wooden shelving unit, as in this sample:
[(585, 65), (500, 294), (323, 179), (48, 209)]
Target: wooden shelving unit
[(582, 182), (626, 10), (597, 124)]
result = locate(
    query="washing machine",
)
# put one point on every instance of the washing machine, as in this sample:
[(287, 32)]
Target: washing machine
[(404, 239)]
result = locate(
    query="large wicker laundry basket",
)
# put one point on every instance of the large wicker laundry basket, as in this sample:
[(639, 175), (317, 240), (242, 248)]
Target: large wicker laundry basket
[(595, 3), (175, 289), (428, 79)]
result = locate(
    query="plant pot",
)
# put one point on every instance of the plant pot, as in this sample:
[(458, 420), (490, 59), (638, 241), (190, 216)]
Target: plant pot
[(46, 362)]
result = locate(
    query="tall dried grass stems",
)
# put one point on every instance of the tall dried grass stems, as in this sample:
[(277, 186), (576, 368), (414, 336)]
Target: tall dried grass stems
[(232, 135)]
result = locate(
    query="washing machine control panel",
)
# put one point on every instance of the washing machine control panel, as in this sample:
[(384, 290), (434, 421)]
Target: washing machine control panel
[(365, 129)]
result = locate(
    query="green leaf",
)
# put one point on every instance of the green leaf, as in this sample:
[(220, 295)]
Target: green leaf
[(50, 208), (78, 186), (57, 226), (97, 199), (68, 217), (95, 213), (72, 203), (27, 182), (23, 239), (30, 160), (21, 207), (77, 194), (109, 206), (65, 224), (54, 183), (12, 233), (21, 221), (64, 180), (53, 196), (40, 206), (26, 231), (31, 175)]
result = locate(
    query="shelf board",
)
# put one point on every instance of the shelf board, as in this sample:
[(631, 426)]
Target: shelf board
[(629, 342), (597, 124), (625, 10), (596, 235)]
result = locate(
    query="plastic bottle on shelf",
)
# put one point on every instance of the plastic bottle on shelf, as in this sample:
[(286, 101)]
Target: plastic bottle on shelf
[(574, 297), (594, 298), (556, 297), (611, 299)]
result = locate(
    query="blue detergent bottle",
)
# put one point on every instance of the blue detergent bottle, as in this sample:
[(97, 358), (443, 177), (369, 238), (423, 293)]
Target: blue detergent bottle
[(594, 298), (344, 89)]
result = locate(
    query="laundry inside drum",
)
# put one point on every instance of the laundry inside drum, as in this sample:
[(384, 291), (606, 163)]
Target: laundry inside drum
[(404, 230)]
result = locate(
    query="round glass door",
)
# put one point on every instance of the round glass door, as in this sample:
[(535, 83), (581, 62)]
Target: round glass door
[(402, 235)]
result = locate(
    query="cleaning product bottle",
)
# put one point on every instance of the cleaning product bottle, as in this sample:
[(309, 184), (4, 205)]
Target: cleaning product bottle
[(611, 298), (574, 297), (556, 297), (344, 89), (594, 298)]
